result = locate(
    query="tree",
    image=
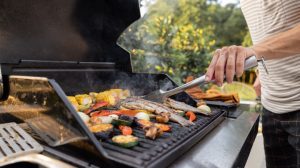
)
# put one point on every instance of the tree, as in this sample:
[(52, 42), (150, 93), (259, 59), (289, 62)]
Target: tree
[(178, 37)]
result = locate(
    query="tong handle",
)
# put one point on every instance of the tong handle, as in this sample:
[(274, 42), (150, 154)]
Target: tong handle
[(250, 62)]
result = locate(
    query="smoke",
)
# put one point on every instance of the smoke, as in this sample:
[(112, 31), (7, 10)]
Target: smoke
[(138, 83)]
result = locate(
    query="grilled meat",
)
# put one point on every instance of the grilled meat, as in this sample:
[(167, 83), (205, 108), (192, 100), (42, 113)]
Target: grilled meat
[(185, 107), (138, 103)]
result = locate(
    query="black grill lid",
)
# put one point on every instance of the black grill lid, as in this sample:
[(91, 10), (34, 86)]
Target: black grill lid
[(65, 30)]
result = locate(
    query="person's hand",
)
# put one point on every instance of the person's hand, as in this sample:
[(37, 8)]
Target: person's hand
[(229, 60), (257, 86)]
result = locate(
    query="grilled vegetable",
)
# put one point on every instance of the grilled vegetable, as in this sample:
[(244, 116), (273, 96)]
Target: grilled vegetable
[(125, 117), (125, 141), (191, 115), (93, 96), (125, 94), (162, 118), (127, 112), (131, 113), (142, 116), (163, 127), (72, 99), (114, 116), (103, 131), (201, 102), (95, 120), (95, 107), (153, 132), (106, 119), (82, 108), (100, 113), (204, 108), (73, 102), (84, 117), (144, 123), (125, 130), (105, 96), (104, 113), (112, 96), (122, 94), (84, 99), (123, 120)]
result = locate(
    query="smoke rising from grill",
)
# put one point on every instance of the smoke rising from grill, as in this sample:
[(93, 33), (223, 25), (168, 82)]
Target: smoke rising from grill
[(138, 84)]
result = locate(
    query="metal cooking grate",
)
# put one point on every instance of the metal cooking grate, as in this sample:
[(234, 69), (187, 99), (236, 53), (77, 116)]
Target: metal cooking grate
[(14, 141), (54, 132), (149, 151)]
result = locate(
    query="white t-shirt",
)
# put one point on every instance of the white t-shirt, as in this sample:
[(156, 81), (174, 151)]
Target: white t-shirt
[(281, 88)]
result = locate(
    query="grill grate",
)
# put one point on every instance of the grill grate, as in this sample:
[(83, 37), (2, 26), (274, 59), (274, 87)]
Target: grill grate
[(149, 151), (14, 141)]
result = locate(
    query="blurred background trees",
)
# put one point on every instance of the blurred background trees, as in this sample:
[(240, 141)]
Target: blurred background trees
[(178, 37)]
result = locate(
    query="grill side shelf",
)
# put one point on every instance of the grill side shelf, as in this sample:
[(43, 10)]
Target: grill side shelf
[(15, 142)]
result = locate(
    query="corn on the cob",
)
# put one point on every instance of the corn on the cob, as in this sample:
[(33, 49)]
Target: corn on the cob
[(84, 99)]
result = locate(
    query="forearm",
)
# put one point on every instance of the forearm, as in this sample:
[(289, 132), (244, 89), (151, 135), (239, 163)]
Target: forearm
[(280, 45)]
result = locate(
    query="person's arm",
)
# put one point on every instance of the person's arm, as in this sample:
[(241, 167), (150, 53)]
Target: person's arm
[(280, 45), (230, 60)]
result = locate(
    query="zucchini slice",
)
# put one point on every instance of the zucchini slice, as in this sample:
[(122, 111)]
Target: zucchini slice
[(102, 131), (125, 141), (123, 120), (118, 122)]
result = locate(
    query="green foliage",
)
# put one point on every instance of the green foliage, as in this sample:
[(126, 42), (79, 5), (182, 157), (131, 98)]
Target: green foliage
[(247, 40), (178, 37)]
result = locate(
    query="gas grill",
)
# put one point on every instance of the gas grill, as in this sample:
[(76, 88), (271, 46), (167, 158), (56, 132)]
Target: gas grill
[(55, 48)]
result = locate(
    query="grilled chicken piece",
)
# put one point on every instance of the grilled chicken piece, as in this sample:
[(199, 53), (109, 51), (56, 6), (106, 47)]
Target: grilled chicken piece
[(136, 103), (185, 107)]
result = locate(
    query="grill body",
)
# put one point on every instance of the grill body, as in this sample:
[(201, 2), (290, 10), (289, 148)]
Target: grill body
[(58, 48), (52, 114)]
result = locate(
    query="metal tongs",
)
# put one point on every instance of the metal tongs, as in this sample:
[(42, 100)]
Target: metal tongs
[(161, 95)]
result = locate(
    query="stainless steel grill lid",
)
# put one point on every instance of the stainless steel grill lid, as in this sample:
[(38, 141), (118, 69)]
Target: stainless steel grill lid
[(71, 31)]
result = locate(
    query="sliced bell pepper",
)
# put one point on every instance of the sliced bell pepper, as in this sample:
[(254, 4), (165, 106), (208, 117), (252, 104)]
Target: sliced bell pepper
[(104, 113), (131, 113), (163, 127), (144, 123), (96, 107), (191, 115), (126, 130)]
